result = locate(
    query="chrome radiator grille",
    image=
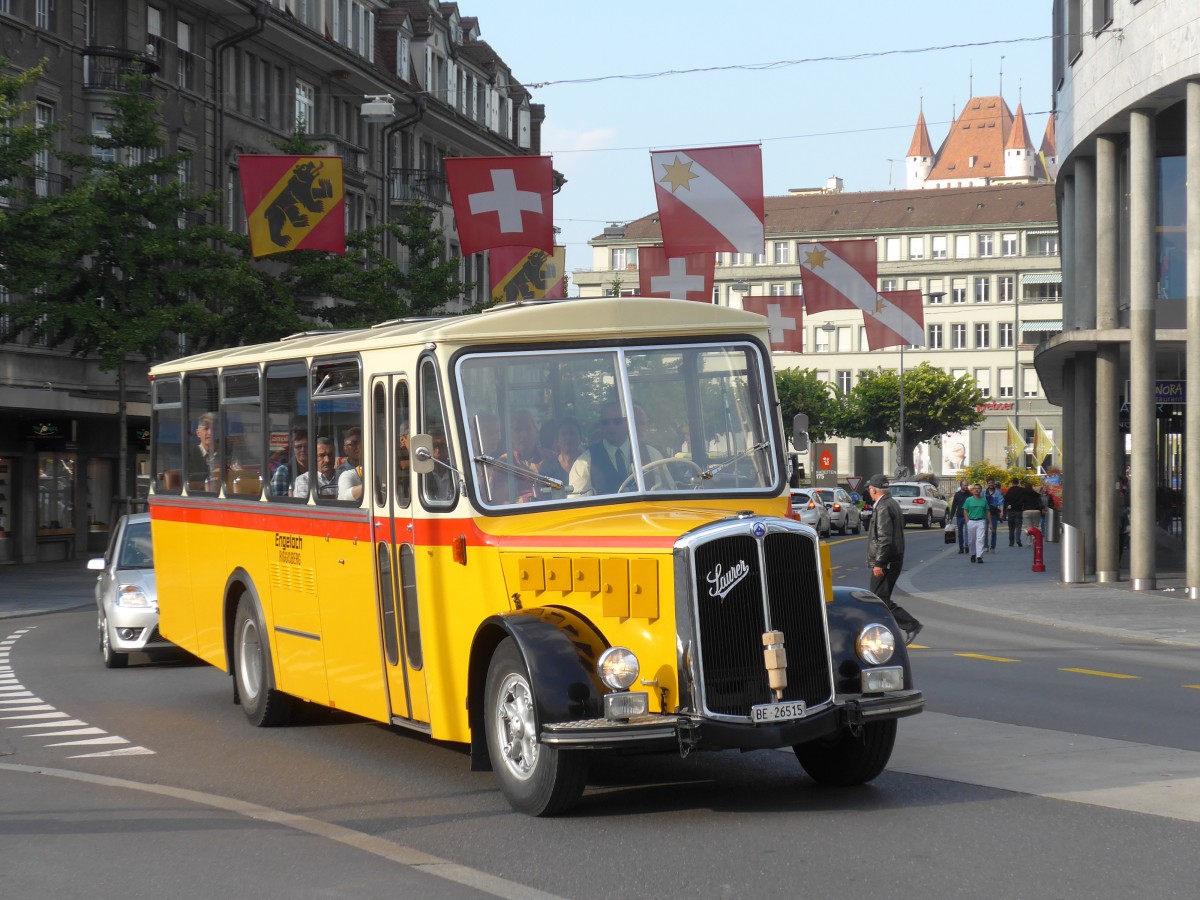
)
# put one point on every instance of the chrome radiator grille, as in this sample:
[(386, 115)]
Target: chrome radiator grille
[(746, 585)]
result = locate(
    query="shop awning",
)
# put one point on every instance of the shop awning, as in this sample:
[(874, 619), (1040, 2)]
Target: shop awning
[(1042, 278)]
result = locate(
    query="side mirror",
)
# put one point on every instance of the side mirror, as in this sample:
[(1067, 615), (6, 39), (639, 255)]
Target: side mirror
[(800, 433), (97, 564), (420, 451)]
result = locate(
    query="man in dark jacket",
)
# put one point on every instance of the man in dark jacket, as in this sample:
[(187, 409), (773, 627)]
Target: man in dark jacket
[(885, 552), (1014, 502), (960, 519)]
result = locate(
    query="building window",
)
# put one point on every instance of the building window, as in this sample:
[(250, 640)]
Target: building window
[(985, 244), (1008, 245), (402, 49), (184, 60), (1006, 384), (983, 290), (892, 247), (937, 292), (916, 248), (44, 118), (1005, 335), (41, 14), (1029, 382), (958, 290), (958, 337), (821, 342), (102, 128), (622, 258), (781, 256), (962, 246), (1044, 293), (843, 381), (779, 290), (1046, 245), (56, 493), (912, 284), (939, 247), (935, 337), (983, 379), (983, 335), (1006, 288), (760, 259), (154, 32), (887, 284), (306, 108)]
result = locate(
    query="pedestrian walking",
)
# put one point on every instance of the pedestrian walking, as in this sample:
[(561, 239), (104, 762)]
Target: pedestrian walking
[(956, 510), (1014, 499), (885, 552), (1031, 508), (975, 508), (995, 498)]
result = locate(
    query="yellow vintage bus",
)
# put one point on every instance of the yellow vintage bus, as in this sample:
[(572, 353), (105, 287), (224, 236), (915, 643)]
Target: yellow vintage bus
[(545, 531)]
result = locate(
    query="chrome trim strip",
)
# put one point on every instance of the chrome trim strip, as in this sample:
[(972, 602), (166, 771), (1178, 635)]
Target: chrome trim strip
[(279, 629)]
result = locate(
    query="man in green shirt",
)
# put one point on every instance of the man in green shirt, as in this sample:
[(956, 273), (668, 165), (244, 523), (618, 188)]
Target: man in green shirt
[(975, 508)]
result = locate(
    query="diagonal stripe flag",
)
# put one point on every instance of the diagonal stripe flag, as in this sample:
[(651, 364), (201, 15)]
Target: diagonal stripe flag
[(890, 326), (842, 275), (710, 199)]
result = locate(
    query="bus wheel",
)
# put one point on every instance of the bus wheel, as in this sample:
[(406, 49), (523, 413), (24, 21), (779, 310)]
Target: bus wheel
[(112, 659), (537, 779), (263, 705), (849, 757)]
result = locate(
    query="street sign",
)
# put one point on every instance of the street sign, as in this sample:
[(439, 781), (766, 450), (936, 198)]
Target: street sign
[(824, 457), (855, 482)]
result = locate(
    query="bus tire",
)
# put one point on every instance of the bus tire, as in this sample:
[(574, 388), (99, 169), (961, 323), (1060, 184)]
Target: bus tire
[(536, 778), (850, 756), (263, 705)]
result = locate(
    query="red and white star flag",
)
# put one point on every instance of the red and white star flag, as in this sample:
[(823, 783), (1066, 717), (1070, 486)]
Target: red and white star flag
[(502, 201), (899, 319), (842, 275), (785, 319), (679, 277), (710, 199)]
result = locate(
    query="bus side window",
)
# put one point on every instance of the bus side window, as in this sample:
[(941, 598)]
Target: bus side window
[(168, 436), (439, 488), (287, 427)]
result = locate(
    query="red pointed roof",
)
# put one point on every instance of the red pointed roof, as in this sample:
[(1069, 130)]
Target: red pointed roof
[(1019, 138), (1049, 147), (920, 145), (980, 134)]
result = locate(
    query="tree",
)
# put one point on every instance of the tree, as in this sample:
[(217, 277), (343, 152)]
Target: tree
[(934, 404), (126, 261), (20, 143), (801, 391)]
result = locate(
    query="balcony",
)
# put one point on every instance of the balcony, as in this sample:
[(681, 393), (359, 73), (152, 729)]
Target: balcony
[(105, 68), (42, 184), (354, 158), (418, 186)]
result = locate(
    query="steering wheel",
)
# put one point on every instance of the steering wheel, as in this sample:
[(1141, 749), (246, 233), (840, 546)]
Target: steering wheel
[(690, 467)]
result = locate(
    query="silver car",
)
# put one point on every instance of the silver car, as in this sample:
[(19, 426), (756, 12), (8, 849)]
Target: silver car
[(809, 509), (126, 598), (843, 511), (921, 503)]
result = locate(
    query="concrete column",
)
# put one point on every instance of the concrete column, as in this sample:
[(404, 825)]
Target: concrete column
[(1066, 238), (1072, 491), (1109, 445), (1142, 271), (1083, 408), (1192, 444)]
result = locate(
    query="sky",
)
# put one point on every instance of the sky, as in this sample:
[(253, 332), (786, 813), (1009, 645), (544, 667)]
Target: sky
[(825, 89)]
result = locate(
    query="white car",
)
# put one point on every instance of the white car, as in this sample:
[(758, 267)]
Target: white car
[(126, 595), (844, 515), (921, 503), (809, 509)]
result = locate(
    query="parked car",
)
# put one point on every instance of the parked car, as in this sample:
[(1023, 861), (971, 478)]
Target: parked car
[(809, 509), (843, 512), (126, 595), (921, 503)]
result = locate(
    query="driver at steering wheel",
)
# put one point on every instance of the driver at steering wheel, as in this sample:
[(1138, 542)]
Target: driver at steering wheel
[(605, 466)]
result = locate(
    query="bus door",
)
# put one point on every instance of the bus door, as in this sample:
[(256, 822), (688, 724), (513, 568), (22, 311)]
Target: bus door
[(395, 571)]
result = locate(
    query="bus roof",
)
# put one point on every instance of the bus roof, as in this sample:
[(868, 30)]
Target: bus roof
[(599, 318)]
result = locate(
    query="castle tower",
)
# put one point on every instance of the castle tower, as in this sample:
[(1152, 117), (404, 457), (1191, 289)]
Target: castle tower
[(1049, 152), (918, 163), (1019, 160)]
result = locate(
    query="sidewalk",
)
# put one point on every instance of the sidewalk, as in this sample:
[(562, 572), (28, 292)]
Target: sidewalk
[(1004, 585), (1007, 585)]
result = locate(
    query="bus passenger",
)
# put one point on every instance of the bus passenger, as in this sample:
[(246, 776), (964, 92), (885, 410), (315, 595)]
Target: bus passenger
[(439, 484), (326, 475), (564, 437), (283, 476), (203, 465)]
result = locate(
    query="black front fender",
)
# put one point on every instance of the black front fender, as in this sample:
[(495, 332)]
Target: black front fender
[(560, 649), (852, 609)]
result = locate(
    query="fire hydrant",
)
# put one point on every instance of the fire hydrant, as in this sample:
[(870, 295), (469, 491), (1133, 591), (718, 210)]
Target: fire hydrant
[(1035, 535)]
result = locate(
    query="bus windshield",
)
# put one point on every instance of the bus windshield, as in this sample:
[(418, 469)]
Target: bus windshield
[(573, 425)]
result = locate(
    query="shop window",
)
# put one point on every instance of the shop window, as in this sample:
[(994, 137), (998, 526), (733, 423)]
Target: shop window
[(56, 493), (99, 494)]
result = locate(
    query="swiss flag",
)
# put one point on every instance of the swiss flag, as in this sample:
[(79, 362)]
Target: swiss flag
[(785, 318), (679, 277), (502, 201), (710, 199), (898, 319)]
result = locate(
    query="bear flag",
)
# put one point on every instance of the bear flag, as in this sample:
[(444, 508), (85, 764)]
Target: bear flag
[(293, 203)]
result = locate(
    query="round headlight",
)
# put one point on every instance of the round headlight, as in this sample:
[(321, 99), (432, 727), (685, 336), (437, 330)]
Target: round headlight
[(618, 668), (876, 644)]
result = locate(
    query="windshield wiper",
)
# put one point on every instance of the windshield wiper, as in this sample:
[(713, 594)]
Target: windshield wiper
[(712, 470), (529, 474)]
